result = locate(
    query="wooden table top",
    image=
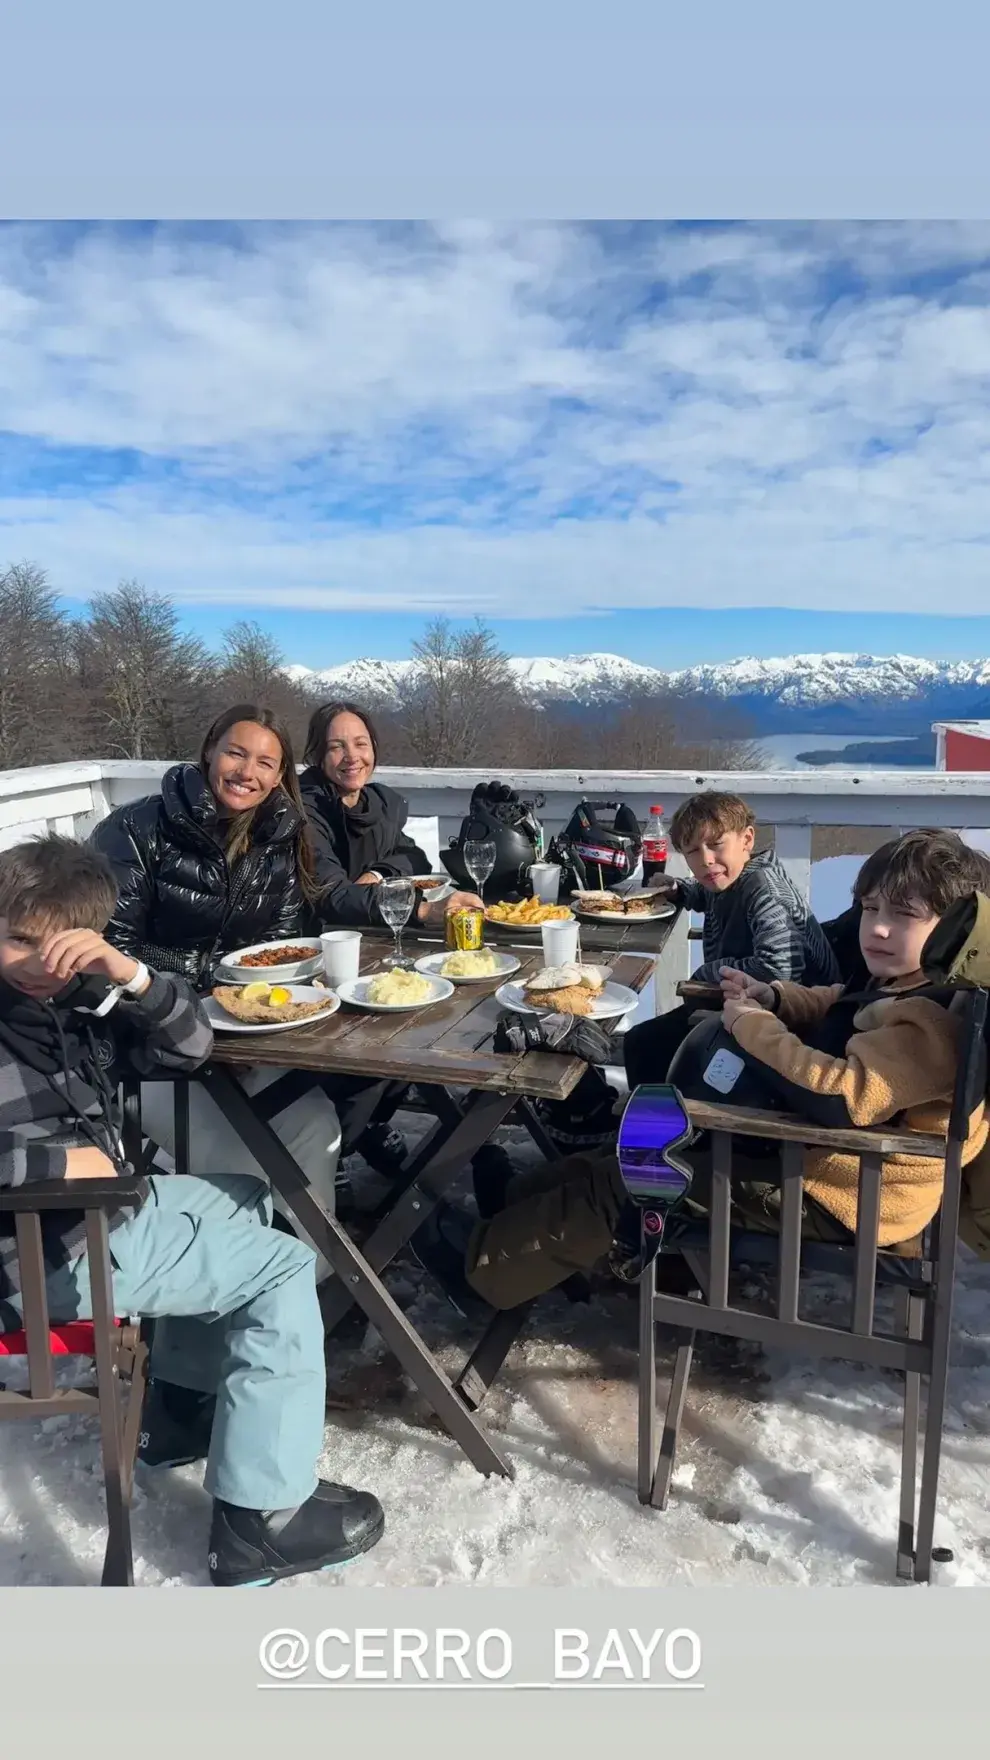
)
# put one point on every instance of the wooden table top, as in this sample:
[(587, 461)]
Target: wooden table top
[(447, 1043)]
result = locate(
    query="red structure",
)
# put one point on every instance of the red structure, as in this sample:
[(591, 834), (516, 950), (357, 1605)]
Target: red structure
[(962, 745)]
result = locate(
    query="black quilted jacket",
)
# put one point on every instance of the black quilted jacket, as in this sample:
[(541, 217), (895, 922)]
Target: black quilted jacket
[(179, 905)]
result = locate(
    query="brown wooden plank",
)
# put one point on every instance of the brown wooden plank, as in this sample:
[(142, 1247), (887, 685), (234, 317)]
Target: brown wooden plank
[(476, 1028), (634, 970), (552, 1078), (782, 1127), (692, 992)]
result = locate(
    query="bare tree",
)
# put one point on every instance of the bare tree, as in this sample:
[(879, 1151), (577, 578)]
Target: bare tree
[(33, 658), (657, 730), (150, 690), (252, 670), (251, 662), (458, 702)]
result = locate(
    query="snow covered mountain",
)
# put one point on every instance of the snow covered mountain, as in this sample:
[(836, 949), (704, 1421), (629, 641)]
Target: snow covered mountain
[(578, 678), (894, 693)]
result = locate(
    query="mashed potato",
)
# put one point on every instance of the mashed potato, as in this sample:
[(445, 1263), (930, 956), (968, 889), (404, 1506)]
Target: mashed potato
[(393, 987), (479, 963)]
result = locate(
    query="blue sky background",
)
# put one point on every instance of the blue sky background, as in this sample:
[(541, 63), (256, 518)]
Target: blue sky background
[(680, 442)]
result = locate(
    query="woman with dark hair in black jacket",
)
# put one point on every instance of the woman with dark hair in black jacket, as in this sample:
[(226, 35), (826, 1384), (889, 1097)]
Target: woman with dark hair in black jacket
[(219, 860), (357, 825)]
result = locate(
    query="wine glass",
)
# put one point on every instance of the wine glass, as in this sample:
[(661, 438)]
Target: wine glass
[(395, 901), (479, 860)]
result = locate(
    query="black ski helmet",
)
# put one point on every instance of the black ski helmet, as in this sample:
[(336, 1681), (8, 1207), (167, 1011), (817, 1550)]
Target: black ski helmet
[(496, 815), (710, 1065), (600, 846)]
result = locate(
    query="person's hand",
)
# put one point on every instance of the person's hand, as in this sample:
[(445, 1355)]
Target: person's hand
[(88, 1163), (739, 986), (736, 1007), (461, 901), (368, 880), (442, 908), (71, 951)]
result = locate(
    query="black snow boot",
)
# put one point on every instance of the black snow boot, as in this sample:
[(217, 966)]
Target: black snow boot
[(176, 1425), (250, 1548)]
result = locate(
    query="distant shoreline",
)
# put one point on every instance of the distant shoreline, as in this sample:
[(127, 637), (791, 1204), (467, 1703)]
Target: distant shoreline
[(900, 754)]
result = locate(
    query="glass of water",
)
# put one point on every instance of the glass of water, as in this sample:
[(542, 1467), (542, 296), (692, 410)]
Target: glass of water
[(479, 860), (395, 901)]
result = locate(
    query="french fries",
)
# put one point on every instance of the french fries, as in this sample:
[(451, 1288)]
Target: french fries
[(528, 914)]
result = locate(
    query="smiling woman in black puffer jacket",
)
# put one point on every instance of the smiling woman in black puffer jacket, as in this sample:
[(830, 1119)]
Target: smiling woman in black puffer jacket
[(220, 859)]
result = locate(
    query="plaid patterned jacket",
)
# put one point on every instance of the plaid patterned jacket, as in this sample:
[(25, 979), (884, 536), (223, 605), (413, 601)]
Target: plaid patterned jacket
[(165, 1030)]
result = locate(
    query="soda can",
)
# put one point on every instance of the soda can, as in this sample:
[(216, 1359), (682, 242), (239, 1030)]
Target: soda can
[(466, 930)]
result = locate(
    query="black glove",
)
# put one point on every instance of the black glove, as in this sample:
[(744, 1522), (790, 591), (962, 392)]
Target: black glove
[(570, 1035), (501, 801)]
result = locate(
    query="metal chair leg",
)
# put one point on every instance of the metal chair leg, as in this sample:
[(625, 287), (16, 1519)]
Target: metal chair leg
[(910, 1317), (660, 1492), (118, 1561)]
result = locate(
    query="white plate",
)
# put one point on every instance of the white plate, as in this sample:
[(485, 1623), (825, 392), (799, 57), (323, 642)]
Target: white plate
[(231, 970), (431, 966), (614, 1002), (625, 917), (222, 1022), (355, 991)]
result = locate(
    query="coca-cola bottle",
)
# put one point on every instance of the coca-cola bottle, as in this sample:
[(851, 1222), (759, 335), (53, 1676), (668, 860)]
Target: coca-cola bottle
[(654, 846)]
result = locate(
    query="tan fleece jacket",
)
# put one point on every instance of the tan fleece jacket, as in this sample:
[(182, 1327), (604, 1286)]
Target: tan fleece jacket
[(899, 1063)]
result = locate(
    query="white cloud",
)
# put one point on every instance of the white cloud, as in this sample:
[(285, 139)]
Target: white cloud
[(531, 421)]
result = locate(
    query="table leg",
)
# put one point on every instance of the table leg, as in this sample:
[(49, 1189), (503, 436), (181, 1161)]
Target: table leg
[(353, 1272), (480, 1119)]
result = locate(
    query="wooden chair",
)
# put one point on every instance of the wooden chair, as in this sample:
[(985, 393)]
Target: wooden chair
[(918, 1345), (116, 1346)]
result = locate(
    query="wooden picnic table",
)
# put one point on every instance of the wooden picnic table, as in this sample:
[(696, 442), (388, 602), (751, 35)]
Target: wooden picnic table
[(445, 1050)]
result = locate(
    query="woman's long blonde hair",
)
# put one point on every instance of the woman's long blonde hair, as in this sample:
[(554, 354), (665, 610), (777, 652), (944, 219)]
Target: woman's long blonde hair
[(241, 826)]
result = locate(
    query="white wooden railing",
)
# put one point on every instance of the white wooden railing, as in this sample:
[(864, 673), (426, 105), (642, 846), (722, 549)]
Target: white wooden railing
[(72, 798)]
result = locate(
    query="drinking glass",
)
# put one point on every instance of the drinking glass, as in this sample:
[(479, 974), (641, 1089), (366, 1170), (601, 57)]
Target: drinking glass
[(395, 901), (479, 860)]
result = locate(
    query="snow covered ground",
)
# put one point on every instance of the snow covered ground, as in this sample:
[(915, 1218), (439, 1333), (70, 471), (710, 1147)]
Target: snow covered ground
[(788, 1471)]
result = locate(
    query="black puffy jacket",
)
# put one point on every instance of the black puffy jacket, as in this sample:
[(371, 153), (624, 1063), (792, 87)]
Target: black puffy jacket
[(179, 905)]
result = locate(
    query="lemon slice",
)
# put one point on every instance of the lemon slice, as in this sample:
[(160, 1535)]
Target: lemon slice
[(279, 996), (256, 992)]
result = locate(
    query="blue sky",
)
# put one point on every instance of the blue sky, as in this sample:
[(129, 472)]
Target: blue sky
[(678, 442)]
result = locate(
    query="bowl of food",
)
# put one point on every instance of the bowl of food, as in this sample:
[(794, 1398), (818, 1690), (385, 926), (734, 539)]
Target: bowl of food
[(261, 1007), (289, 961), (433, 886)]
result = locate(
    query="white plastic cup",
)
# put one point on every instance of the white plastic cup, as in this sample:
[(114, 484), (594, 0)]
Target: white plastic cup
[(560, 943), (341, 955), (545, 878)]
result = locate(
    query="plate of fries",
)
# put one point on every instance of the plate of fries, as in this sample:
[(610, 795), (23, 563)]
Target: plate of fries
[(530, 913)]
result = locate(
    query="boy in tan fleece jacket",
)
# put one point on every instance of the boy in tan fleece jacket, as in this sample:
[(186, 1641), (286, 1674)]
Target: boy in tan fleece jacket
[(839, 1061), (848, 1063)]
